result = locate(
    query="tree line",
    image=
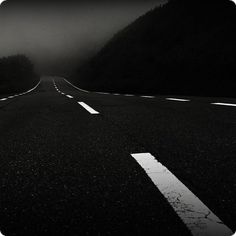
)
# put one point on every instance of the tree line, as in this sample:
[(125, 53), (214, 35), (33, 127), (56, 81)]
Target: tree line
[(16, 74), (183, 47)]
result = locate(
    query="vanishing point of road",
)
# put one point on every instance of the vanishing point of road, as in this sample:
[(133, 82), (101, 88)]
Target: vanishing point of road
[(74, 162)]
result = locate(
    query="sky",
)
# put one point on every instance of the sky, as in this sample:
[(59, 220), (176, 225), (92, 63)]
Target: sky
[(58, 35)]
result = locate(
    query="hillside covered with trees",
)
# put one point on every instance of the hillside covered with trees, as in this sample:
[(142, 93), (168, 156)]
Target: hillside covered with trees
[(185, 47), (16, 74)]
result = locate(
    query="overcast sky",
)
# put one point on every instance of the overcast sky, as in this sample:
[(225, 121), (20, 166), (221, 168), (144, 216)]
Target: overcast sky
[(64, 32)]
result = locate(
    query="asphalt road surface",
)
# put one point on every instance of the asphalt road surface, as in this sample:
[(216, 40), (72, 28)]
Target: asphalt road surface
[(66, 164)]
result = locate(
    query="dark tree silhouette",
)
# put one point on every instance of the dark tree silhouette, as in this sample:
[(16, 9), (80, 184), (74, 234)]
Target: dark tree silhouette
[(183, 47), (16, 74)]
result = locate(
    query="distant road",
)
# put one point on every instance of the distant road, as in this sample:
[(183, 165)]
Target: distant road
[(79, 163)]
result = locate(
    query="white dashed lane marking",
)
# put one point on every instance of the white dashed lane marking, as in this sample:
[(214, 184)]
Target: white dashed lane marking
[(84, 105), (178, 99), (147, 96), (129, 95), (88, 108), (224, 104), (198, 218), (103, 93)]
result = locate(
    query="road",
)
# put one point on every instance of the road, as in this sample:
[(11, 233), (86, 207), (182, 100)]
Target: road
[(68, 162)]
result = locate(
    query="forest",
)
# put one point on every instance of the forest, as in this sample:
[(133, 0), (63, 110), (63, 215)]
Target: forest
[(184, 47), (16, 74)]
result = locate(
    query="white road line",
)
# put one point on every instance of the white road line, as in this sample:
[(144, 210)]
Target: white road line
[(224, 104), (32, 88), (178, 99), (147, 96), (59, 90), (69, 96), (76, 87), (20, 94), (129, 95), (116, 94), (197, 217), (103, 93), (88, 108)]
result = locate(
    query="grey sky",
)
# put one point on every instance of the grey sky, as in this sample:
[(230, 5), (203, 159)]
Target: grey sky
[(63, 33)]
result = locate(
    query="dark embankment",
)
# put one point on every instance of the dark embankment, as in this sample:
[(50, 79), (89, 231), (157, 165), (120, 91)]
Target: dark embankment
[(185, 47), (16, 74)]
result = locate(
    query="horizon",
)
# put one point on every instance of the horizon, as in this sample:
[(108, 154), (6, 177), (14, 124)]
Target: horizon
[(58, 34)]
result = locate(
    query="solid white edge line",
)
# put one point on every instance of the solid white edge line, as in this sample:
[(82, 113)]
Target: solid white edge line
[(198, 218), (224, 104), (76, 87), (20, 94), (103, 93), (88, 108), (33, 88), (178, 99)]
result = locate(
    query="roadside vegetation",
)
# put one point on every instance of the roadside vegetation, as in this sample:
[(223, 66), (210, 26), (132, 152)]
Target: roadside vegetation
[(16, 74), (185, 47)]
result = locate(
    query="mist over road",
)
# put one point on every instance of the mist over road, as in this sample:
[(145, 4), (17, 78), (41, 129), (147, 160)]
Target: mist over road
[(69, 161), (60, 35)]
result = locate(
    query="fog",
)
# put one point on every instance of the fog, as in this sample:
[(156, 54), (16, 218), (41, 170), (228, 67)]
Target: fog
[(58, 36)]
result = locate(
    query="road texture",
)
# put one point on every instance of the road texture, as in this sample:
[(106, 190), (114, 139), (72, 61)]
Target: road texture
[(67, 170)]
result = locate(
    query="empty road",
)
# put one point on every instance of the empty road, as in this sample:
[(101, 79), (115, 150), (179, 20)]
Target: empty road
[(74, 162)]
